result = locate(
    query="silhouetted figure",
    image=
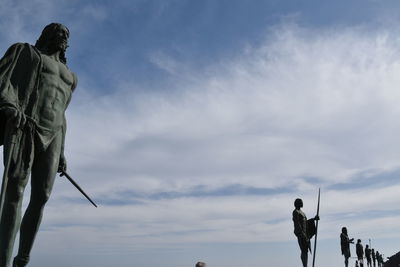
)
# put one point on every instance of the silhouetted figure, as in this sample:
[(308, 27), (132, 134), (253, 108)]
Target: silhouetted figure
[(345, 242), (373, 257), (368, 256), (201, 264), (377, 258), (304, 230), (380, 260), (360, 252), (357, 264)]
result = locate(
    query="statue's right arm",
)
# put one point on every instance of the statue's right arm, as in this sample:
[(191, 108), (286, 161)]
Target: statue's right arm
[(7, 94)]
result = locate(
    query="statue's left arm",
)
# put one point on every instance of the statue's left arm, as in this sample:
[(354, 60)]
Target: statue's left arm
[(62, 166)]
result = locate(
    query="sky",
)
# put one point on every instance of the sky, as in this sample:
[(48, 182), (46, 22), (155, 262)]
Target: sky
[(196, 124)]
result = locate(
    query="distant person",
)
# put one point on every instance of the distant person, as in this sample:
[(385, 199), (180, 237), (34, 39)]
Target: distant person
[(357, 264), (368, 256), (373, 256), (345, 242), (303, 229), (360, 252), (201, 264)]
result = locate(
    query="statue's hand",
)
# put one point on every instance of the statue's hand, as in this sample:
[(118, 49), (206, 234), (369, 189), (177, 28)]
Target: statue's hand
[(62, 165), (316, 218), (15, 117)]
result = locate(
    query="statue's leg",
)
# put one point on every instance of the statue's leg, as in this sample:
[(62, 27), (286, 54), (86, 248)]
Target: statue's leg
[(346, 261), (11, 218), (303, 244), (17, 180), (43, 174)]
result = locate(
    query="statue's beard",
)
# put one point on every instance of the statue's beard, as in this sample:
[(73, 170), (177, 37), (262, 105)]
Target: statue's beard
[(57, 45)]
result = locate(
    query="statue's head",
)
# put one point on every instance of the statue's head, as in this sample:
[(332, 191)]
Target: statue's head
[(298, 203), (201, 264), (344, 230), (54, 38)]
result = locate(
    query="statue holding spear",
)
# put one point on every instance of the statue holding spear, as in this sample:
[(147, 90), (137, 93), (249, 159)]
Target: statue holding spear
[(304, 230)]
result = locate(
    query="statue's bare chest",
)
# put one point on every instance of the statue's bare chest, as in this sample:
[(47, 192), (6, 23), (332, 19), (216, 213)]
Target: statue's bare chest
[(56, 72)]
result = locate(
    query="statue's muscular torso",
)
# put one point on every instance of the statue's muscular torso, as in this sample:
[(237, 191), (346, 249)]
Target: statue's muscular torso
[(55, 89)]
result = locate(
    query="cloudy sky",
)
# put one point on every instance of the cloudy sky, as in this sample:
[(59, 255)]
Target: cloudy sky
[(196, 124)]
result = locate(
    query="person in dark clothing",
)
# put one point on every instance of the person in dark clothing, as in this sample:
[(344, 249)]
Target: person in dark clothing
[(368, 256), (360, 252), (345, 242)]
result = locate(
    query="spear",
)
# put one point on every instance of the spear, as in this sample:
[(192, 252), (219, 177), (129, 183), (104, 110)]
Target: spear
[(316, 228)]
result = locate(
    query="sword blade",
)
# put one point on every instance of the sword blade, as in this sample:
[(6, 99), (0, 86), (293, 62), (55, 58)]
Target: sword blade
[(77, 186)]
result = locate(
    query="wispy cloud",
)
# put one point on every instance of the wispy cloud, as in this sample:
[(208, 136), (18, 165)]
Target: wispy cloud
[(219, 156)]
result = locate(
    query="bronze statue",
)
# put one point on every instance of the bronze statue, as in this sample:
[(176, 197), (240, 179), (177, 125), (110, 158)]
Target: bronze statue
[(360, 252), (345, 242), (373, 257), (35, 89), (368, 256), (303, 229)]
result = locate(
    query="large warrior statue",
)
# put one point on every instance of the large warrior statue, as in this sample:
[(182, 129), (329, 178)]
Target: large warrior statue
[(303, 229), (35, 90)]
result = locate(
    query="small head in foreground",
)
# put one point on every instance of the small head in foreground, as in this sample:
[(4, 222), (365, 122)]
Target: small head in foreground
[(54, 38), (298, 203), (201, 264)]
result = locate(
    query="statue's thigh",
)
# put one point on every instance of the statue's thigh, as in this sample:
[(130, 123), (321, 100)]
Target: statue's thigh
[(44, 168)]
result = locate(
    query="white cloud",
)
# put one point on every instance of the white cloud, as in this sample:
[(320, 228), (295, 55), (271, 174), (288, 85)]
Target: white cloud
[(306, 104)]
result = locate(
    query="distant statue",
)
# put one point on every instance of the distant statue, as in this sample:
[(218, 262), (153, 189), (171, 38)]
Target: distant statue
[(368, 256), (345, 242), (35, 89), (373, 257), (303, 229), (201, 264), (360, 252), (378, 256)]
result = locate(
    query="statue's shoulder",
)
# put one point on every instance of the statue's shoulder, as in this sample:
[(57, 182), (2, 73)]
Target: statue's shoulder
[(21, 46), (17, 48)]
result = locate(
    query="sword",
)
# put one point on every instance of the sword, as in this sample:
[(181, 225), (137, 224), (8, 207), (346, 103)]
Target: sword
[(316, 228), (63, 173)]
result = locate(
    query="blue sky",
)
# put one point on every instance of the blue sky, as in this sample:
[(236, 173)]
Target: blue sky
[(196, 124)]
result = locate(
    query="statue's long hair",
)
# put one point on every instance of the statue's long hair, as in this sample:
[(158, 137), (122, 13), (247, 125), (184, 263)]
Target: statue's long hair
[(46, 38)]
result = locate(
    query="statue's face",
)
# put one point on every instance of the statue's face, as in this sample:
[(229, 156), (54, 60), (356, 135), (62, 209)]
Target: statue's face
[(60, 38)]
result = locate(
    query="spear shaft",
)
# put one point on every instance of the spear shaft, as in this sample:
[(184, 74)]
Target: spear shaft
[(316, 228)]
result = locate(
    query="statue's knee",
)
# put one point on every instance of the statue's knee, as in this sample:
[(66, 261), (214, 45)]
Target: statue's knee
[(42, 198), (15, 193)]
